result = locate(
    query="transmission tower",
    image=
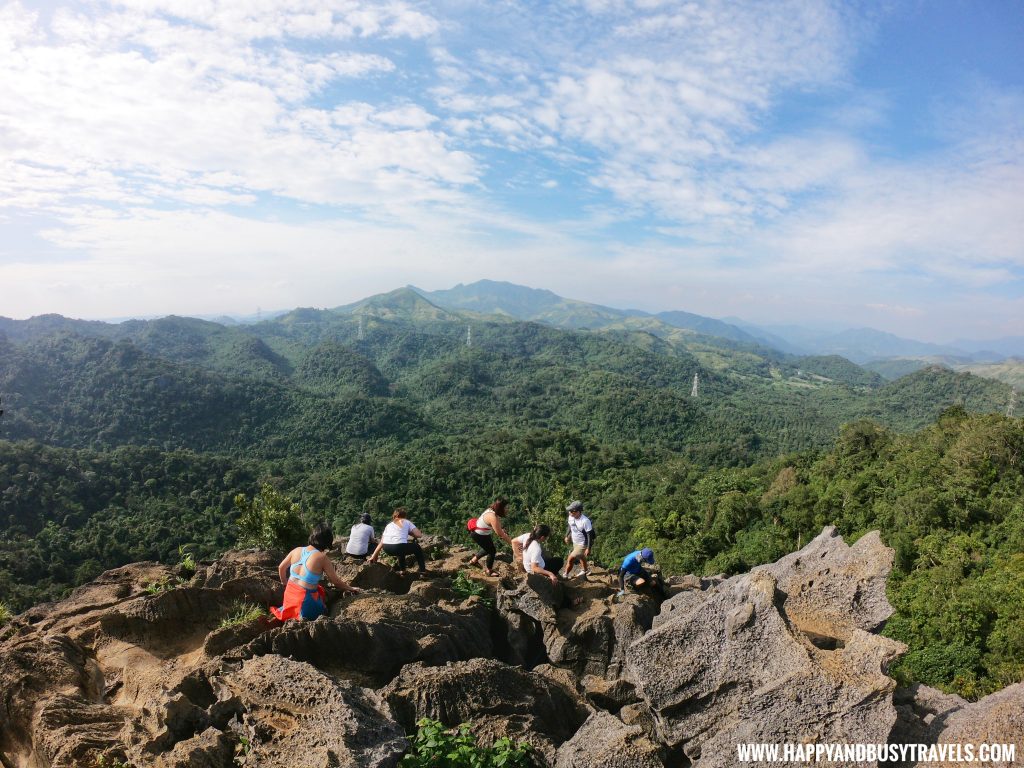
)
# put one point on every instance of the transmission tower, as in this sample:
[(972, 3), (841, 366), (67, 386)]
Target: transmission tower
[(469, 336), (1012, 405), (362, 334), (696, 382)]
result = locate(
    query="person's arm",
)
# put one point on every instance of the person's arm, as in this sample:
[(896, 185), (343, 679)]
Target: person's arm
[(537, 569), (496, 525), (373, 558), (517, 549), (590, 541), (622, 580), (335, 579), (284, 567), (415, 532)]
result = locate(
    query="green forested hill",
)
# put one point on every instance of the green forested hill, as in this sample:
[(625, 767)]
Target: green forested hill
[(949, 499), (121, 443), (314, 380)]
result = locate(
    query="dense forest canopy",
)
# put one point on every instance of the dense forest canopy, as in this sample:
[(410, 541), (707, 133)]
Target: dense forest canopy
[(131, 442)]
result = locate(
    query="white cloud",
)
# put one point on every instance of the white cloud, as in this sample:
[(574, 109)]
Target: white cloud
[(126, 94), (406, 134)]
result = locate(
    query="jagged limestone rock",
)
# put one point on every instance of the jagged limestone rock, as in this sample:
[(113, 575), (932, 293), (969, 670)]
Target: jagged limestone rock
[(606, 741), (735, 670), (832, 587), (498, 699), (297, 715), (996, 719), (545, 625)]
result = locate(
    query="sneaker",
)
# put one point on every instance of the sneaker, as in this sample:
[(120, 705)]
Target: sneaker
[(585, 572)]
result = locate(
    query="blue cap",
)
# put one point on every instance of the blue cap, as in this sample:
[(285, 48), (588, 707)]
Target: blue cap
[(648, 555)]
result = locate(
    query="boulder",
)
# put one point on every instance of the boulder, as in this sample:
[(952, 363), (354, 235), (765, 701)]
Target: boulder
[(832, 588), (498, 699), (297, 715), (606, 741), (741, 672), (543, 623), (921, 713), (996, 719)]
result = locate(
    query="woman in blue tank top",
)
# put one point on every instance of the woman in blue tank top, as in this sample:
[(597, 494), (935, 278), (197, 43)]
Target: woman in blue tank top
[(301, 572)]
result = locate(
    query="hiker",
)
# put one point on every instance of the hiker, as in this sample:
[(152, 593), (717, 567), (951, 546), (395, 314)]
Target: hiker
[(360, 538), (519, 545), (533, 553), (488, 521), (301, 572), (395, 541), (632, 572), (580, 531)]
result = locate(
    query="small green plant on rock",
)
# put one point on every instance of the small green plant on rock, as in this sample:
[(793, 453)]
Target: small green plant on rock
[(5, 614), (465, 587), (436, 746), (243, 613), (163, 585), (187, 561)]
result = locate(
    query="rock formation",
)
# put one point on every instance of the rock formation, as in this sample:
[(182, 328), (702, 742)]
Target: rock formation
[(139, 667)]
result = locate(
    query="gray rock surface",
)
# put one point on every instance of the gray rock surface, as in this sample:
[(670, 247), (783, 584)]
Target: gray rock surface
[(297, 715), (736, 670), (606, 741), (832, 587), (782, 654), (500, 700), (996, 719)]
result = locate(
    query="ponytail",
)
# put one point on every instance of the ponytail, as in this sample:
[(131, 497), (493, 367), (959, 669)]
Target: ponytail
[(398, 514), (536, 533)]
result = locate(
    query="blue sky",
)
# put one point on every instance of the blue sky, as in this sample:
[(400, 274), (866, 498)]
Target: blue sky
[(810, 162)]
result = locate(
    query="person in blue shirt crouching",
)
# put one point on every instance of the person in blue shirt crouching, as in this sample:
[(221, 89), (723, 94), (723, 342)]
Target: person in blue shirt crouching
[(633, 573)]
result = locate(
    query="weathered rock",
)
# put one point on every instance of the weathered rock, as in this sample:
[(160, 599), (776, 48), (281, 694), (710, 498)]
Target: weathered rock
[(248, 574), (589, 638), (682, 602), (832, 588), (606, 741), (68, 730), (296, 714), (996, 719), (921, 714), (210, 749), (499, 700), (34, 670), (377, 634), (740, 672)]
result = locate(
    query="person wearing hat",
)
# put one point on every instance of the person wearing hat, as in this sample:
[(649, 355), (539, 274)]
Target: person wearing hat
[(361, 538), (580, 531), (632, 572)]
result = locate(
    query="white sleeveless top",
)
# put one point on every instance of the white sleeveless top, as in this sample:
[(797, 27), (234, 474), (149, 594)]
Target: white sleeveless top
[(481, 525)]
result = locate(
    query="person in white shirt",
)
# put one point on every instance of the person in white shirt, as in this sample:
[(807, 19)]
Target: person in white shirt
[(395, 541), (581, 532), (360, 538), (529, 546)]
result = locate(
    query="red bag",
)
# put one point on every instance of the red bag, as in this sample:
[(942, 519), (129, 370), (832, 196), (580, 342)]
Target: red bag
[(471, 524)]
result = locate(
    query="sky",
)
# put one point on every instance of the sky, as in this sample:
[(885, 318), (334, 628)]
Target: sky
[(837, 164)]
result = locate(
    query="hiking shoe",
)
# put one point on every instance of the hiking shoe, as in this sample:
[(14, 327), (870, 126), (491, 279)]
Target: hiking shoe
[(585, 572)]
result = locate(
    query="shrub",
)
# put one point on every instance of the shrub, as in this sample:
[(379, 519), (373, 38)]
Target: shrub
[(5, 614), (243, 613), (465, 587), (436, 746), (269, 520)]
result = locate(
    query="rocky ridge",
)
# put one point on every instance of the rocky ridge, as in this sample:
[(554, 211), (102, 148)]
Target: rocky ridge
[(136, 667)]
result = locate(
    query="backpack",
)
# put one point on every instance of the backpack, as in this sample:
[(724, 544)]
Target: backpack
[(471, 524)]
